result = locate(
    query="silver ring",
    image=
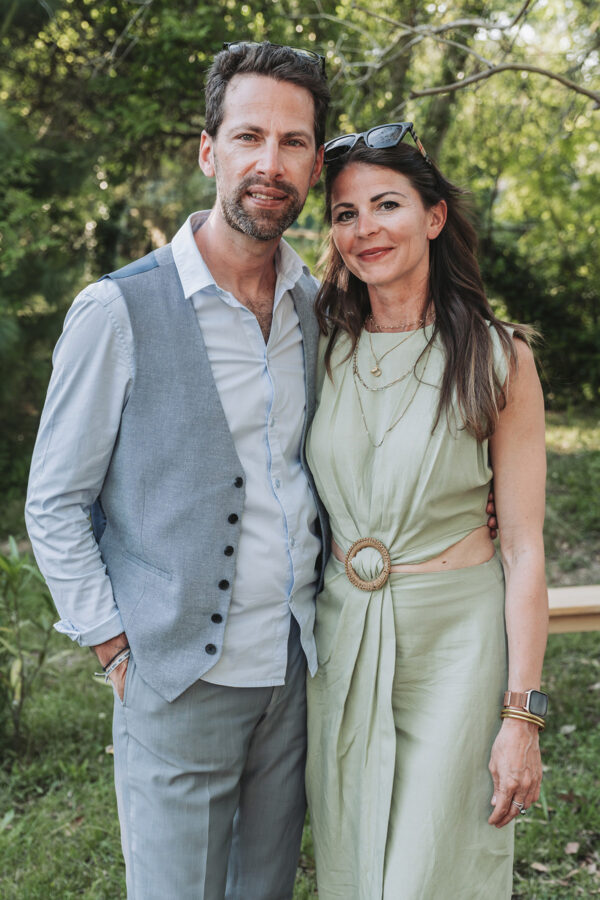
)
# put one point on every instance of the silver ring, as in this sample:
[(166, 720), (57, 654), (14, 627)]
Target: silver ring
[(520, 806)]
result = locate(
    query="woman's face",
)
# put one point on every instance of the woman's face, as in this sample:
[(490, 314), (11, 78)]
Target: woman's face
[(381, 228)]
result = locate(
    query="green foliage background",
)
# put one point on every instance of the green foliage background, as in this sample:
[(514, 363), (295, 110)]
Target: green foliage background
[(102, 108)]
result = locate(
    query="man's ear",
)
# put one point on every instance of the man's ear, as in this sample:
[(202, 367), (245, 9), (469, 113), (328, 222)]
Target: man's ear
[(318, 167), (206, 155)]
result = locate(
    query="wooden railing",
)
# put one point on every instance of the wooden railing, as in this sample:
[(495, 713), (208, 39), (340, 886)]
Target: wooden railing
[(574, 608)]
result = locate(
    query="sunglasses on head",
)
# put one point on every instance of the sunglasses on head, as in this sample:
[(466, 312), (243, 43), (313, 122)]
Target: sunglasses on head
[(310, 55), (378, 138)]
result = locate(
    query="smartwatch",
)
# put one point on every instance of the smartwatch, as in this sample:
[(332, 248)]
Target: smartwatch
[(535, 702)]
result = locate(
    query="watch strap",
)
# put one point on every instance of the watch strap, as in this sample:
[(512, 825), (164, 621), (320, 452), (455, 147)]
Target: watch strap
[(516, 698)]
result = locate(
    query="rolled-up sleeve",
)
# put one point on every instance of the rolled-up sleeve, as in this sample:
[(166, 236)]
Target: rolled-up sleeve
[(90, 384)]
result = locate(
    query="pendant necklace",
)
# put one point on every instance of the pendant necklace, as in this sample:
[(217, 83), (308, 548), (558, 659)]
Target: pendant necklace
[(377, 444), (376, 370), (381, 387), (422, 322)]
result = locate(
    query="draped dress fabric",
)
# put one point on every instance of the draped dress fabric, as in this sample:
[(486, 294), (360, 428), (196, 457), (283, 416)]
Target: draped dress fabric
[(404, 708)]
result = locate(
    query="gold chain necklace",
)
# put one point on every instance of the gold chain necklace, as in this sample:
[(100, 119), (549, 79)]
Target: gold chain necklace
[(376, 370), (378, 444), (380, 387), (424, 320)]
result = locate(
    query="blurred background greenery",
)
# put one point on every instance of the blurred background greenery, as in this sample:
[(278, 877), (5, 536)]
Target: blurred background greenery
[(101, 111)]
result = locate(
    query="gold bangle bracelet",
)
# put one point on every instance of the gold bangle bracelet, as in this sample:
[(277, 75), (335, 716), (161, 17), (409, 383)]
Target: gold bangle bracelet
[(524, 712), (524, 719), (510, 711), (524, 716)]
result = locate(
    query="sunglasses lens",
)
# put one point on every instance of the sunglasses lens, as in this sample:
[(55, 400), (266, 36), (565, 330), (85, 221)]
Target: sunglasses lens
[(336, 148), (238, 46), (386, 136), (310, 55)]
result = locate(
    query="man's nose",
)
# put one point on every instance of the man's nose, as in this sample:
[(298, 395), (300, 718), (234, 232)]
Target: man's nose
[(270, 159)]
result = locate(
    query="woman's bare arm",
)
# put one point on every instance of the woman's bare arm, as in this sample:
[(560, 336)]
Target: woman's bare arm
[(519, 462)]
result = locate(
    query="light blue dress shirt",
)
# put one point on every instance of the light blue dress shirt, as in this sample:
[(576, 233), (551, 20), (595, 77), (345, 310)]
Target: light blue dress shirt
[(261, 388)]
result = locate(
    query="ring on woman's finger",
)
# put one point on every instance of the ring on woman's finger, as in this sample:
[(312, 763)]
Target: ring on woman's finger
[(520, 806)]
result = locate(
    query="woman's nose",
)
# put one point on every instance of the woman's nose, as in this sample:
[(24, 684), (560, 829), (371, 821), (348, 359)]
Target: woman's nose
[(366, 224)]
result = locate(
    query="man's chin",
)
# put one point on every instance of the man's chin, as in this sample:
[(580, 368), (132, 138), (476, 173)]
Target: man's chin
[(263, 227)]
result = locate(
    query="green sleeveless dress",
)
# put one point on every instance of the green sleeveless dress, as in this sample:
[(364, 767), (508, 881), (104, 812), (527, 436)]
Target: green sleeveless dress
[(404, 708)]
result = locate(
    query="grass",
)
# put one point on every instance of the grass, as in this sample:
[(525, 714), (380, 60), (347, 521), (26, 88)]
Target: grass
[(59, 836), (572, 531)]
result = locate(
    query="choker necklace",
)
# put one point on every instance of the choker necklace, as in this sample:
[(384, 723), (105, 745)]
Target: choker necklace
[(428, 319)]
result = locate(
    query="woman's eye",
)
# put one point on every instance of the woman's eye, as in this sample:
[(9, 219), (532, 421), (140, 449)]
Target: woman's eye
[(345, 216), (389, 204)]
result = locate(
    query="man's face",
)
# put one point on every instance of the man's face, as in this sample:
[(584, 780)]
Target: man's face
[(263, 156)]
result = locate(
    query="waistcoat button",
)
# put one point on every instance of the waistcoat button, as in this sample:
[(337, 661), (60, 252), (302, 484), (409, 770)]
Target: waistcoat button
[(233, 518), (210, 648), (238, 481), (216, 618), (228, 551), (223, 584)]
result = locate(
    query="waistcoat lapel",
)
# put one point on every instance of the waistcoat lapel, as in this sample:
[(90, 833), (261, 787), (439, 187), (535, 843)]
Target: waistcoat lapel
[(303, 303)]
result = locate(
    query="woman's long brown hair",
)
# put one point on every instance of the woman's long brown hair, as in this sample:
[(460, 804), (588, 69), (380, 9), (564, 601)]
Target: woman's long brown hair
[(463, 315)]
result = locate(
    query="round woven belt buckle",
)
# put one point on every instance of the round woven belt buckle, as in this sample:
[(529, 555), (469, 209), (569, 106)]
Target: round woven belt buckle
[(381, 579)]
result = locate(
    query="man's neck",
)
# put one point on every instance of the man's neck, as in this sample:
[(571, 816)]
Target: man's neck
[(238, 263)]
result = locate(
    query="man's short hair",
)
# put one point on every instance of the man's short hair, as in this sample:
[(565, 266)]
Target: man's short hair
[(280, 63)]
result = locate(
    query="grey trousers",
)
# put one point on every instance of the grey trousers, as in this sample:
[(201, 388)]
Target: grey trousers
[(210, 788)]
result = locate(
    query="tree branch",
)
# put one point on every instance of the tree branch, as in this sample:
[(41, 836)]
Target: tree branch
[(506, 67)]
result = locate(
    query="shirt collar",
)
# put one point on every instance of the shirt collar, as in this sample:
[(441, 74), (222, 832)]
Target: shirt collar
[(195, 275)]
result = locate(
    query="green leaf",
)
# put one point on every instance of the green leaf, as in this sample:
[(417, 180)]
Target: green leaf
[(7, 819)]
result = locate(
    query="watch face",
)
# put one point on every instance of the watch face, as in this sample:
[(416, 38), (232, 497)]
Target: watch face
[(538, 703)]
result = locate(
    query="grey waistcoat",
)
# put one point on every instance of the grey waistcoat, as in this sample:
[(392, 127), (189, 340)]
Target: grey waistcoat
[(169, 514)]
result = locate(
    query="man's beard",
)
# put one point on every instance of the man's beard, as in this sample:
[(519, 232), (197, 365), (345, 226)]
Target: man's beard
[(265, 225)]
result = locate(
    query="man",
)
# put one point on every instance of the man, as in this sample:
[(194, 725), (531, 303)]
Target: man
[(182, 389)]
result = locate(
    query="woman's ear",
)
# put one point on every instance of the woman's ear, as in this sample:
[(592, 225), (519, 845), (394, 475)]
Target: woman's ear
[(437, 219)]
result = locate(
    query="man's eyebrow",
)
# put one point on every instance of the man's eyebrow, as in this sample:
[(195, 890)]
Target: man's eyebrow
[(258, 129)]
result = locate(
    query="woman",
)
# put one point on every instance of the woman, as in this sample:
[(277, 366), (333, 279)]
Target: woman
[(425, 395)]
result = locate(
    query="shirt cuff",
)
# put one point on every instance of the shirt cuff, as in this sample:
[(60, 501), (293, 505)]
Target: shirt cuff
[(97, 634)]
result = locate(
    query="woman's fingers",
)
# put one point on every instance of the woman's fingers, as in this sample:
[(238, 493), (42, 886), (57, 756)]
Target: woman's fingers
[(516, 770)]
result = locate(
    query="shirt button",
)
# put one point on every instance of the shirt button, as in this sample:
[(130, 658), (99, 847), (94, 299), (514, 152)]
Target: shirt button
[(223, 584), (232, 518), (238, 481), (292, 541), (272, 422), (277, 483), (211, 649), (228, 551), (216, 618)]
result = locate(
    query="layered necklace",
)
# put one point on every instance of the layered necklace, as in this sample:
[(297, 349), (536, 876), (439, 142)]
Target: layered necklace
[(374, 326), (376, 371)]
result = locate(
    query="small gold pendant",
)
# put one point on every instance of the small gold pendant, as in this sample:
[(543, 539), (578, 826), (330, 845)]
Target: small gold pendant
[(376, 371)]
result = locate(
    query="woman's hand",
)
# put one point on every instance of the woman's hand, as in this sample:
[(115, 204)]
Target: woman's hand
[(516, 768)]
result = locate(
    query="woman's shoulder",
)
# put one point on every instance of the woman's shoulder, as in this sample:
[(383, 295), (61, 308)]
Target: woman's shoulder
[(511, 346)]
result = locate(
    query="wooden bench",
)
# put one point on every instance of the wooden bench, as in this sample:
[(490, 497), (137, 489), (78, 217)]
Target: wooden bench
[(574, 608)]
